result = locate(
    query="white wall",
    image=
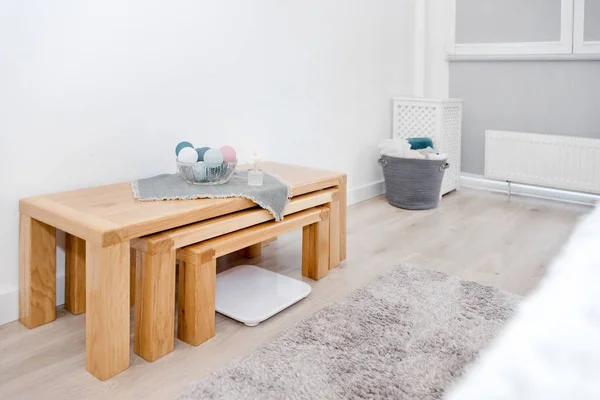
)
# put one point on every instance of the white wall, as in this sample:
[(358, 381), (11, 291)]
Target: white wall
[(439, 25), (96, 92)]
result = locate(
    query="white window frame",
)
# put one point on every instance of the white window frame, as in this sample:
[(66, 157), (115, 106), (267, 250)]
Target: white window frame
[(580, 46), (563, 46)]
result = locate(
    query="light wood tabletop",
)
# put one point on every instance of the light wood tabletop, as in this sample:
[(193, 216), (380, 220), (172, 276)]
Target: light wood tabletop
[(109, 214), (106, 218)]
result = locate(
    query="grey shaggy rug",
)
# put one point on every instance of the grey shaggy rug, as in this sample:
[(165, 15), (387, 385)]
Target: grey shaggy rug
[(406, 335)]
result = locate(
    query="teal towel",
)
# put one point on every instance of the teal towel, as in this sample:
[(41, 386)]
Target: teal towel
[(420, 143)]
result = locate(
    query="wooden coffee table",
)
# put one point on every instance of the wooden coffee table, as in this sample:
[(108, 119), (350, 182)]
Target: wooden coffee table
[(107, 218)]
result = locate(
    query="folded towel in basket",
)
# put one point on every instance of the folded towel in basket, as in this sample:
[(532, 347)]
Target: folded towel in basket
[(419, 143)]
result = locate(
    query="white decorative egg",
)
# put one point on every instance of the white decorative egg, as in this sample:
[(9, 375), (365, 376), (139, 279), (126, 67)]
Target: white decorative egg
[(188, 155), (213, 156)]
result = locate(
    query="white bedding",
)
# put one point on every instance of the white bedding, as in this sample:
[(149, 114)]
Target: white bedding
[(551, 348)]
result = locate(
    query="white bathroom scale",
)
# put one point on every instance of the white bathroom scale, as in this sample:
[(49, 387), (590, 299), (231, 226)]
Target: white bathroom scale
[(251, 294)]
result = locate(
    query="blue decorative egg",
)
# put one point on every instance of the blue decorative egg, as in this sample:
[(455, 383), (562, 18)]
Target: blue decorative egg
[(182, 145), (201, 151)]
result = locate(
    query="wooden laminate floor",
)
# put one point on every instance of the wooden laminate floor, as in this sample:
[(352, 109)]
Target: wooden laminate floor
[(485, 237)]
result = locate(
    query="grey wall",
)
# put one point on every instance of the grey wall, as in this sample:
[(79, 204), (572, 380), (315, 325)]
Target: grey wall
[(559, 97), (495, 21)]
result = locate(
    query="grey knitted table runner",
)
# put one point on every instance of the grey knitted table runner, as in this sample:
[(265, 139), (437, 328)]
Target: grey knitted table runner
[(273, 195)]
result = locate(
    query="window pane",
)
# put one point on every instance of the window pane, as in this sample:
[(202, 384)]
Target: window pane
[(592, 20), (508, 21)]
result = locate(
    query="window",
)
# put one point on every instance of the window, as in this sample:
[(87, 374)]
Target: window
[(526, 28), (586, 34)]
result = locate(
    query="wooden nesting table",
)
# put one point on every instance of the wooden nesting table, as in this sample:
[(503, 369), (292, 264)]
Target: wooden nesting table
[(99, 223)]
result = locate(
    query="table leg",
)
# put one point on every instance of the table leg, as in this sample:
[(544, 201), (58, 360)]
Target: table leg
[(196, 301), (155, 305), (74, 274), (343, 209), (37, 272), (132, 267), (315, 248), (107, 302), (251, 251), (334, 231)]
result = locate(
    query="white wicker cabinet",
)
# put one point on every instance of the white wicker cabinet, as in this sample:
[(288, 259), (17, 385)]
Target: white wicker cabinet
[(439, 119)]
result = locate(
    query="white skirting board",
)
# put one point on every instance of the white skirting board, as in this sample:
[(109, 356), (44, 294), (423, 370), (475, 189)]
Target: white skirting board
[(9, 306), (9, 300), (366, 192), (481, 182)]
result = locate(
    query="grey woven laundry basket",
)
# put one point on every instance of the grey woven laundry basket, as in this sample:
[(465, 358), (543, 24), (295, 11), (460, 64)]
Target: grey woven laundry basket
[(411, 183)]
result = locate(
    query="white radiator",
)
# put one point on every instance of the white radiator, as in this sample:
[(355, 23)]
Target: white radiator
[(562, 162)]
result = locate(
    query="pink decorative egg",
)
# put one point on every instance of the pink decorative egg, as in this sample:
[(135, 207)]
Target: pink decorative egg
[(228, 153)]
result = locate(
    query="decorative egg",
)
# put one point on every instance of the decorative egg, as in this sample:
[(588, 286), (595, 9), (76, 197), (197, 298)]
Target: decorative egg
[(228, 153), (182, 145), (201, 151), (213, 156), (188, 155)]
